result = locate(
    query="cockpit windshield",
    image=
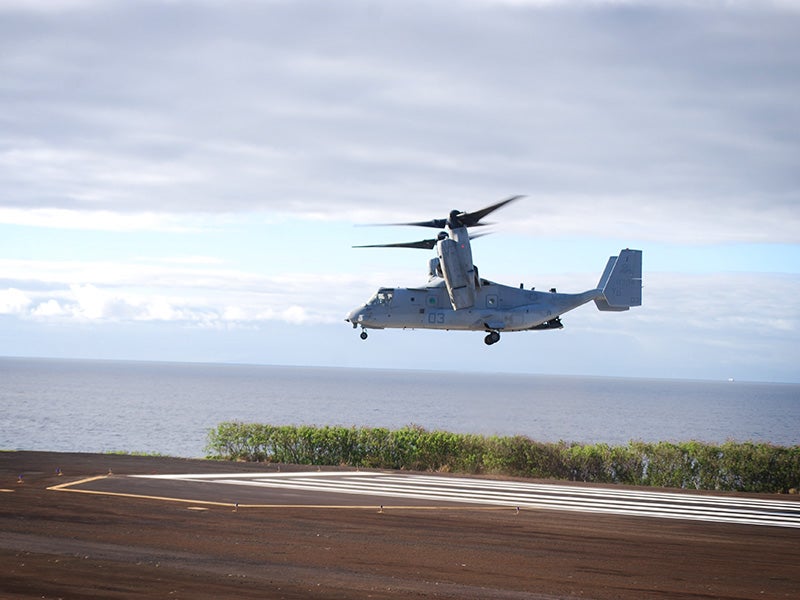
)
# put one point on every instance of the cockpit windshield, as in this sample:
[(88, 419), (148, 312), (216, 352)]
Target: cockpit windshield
[(382, 296)]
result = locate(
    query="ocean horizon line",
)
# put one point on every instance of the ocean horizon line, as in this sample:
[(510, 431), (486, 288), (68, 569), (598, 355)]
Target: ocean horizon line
[(222, 363)]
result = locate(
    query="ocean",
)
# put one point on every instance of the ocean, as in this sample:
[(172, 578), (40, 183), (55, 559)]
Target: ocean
[(168, 408)]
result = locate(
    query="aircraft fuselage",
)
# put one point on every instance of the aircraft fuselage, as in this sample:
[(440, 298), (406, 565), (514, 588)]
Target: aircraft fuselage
[(497, 307)]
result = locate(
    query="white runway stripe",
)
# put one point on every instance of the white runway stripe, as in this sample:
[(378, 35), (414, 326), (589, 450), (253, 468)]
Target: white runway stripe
[(722, 509)]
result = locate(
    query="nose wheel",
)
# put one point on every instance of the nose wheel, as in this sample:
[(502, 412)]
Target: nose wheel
[(363, 334), (492, 338)]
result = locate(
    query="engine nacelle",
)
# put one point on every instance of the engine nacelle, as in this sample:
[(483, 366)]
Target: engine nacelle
[(460, 285)]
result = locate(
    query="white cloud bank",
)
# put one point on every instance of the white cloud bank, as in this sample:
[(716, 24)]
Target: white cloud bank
[(197, 291), (681, 117), (95, 220)]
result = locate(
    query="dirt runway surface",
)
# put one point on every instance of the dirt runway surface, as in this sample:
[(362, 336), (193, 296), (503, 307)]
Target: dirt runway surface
[(69, 545)]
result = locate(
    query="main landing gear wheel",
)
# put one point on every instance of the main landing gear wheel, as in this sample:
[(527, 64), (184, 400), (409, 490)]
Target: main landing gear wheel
[(364, 334), (492, 338)]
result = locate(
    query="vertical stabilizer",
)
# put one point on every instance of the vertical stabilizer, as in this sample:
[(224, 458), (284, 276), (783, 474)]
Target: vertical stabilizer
[(621, 283), (607, 273)]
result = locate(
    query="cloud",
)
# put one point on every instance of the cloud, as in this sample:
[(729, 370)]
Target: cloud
[(13, 301), (201, 292), (198, 291), (662, 111), (43, 6), (48, 309), (96, 220), (143, 145)]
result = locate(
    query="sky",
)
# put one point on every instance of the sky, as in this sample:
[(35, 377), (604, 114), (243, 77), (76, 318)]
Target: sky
[(184, 180)]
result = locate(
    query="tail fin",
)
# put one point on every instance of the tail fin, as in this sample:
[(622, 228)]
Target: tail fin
[(621, 283)]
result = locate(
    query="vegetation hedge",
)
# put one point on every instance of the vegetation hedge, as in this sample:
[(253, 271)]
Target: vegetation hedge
[(730, 466)]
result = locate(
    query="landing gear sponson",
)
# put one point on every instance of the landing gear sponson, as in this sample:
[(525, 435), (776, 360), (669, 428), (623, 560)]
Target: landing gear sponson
[(492, 337)]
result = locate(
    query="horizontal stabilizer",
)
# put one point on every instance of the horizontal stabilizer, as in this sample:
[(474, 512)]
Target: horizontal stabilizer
[(621, 282)]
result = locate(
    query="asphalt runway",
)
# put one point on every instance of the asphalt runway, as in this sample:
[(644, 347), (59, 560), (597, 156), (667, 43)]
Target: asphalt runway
[(348, 489)]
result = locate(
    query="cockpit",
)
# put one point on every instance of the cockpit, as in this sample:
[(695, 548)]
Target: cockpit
[(382, 297)]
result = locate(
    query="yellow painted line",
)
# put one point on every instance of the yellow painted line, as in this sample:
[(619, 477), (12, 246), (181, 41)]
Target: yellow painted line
[(385, 508), (6, 490), (68, 487), (64, 486)]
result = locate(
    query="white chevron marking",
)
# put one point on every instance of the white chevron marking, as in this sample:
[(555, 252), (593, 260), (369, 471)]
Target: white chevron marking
[(665, 505)]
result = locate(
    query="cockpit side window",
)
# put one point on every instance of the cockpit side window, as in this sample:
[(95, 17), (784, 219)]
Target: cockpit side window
[(382, 297)]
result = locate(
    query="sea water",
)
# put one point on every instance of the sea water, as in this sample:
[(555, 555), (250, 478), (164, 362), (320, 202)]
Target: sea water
[(168, 408)]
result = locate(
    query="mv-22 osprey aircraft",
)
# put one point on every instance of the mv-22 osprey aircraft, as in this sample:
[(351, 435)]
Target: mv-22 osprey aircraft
[(456, 297)]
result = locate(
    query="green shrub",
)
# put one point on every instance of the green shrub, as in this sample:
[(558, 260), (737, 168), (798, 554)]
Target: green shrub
[(731, 466)]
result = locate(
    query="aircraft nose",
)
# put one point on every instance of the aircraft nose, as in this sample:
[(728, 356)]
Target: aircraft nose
[(352, 316)]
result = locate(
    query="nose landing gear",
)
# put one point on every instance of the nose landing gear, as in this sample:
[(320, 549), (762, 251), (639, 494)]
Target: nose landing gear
[(492, 338), (363, 334)]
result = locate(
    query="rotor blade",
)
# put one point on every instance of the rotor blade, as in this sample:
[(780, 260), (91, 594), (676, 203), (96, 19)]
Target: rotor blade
[(464, 219), (435, 223), (471, 219), (422, 244)]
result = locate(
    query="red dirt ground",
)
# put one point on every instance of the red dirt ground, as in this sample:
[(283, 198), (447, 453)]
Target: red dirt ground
[(76, 546)]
